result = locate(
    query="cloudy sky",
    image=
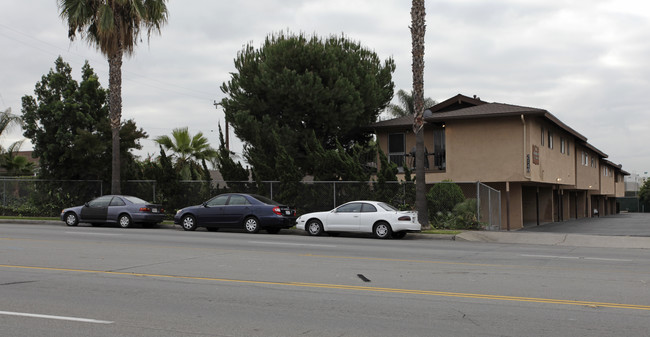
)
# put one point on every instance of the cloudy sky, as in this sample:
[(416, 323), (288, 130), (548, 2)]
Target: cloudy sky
[(585, 61)]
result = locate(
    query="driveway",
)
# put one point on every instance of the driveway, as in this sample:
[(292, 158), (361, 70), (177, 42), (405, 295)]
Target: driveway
[(624, 224)]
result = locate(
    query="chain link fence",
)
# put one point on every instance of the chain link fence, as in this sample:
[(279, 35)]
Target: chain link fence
[(34, 197)]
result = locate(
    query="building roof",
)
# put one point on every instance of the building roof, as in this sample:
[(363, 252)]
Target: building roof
[(462, 107)]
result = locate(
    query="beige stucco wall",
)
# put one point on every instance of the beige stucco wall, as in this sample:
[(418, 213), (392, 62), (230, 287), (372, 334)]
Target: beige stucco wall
[(486, 150), (554, 166), (620, 185), (588, 177), (607, 183)]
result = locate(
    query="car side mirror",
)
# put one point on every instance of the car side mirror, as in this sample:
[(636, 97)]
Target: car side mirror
[(205, 204), (87, 205)]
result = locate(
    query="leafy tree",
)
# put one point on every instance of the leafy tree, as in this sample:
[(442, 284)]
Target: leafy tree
[(113, 26), (69, 126), (294, 86), (405, 106), (191, 152), (418, 28), (644, 192)]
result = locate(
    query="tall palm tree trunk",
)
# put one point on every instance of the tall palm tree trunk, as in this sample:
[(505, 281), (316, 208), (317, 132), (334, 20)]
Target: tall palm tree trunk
[(418, 29), (115, 109)]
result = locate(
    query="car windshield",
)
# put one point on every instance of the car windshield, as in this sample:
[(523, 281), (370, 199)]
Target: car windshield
[(265, 200), (135, 200), (388, 207)]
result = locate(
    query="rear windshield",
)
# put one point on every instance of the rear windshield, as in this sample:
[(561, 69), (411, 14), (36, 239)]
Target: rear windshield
[(135, 200), (265, 200), (388, 207)]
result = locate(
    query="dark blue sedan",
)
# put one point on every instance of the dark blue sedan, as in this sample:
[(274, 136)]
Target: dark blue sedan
[(123, 210), (236, 210)]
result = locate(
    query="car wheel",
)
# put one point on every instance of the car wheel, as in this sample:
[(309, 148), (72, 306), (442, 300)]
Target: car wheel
[(273, 230), (71, 219), (212, 229), (188, 223), (314, 227), (251, 225), (124, 221), (382, 230), (399, 235)]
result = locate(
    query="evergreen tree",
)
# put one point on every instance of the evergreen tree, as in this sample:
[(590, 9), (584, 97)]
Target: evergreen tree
[(229, 169), (294, 86), (69, 127)]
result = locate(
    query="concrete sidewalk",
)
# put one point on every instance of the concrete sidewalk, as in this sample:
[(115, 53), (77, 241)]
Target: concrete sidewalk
[(557, 239)]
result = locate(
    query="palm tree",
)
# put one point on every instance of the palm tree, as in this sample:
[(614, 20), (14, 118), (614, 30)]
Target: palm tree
[(113, 26), (191, 152), (405, 106), (13, 164), (16, 165), (418, 28)]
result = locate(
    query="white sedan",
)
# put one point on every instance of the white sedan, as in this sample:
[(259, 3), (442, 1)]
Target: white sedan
[(378, 218)]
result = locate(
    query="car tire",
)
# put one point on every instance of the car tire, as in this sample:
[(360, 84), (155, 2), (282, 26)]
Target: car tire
[(382, 230), (124, 220), (251, 225), (314, 227), (212, 229), (71, 219), (273, 230), (399, 235), (188, 223)]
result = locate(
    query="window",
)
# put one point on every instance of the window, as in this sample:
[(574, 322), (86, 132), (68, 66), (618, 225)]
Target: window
[(543, 136), (368, 208), (593, 162), (562, 145), (238, 200), (396, 148), (101, 201), (550, 140), (218, 201), (354, 207), (568, 148), (606, 171), (118, 202), (584, 159), (439, 149)]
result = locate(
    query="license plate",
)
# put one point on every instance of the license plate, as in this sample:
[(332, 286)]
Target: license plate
[(287, 212), (154, 210)]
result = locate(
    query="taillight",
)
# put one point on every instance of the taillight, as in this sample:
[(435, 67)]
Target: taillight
[(404, 218), (145, 209), (277, 210)]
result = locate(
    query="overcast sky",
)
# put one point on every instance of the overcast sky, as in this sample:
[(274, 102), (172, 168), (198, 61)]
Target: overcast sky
[(585, 61)]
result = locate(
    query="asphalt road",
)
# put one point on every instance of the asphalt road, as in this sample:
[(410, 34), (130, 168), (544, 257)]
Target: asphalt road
[(87, 281)]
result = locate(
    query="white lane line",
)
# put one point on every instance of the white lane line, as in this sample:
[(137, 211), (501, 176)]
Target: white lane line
[(91, 233), (63, 318), (291, 244), (576, 258)]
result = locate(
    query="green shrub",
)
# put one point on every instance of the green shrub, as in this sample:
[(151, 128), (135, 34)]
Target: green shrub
[(443, 197)]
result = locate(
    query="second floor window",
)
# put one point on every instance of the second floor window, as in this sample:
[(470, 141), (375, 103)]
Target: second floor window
[(396, 148), (562, 145), (550, 140)]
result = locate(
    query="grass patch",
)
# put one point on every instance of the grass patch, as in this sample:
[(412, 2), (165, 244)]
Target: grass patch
[(7, 217), (441, 231)]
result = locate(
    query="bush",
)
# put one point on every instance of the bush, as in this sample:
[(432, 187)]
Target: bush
[(463, 216), (443, 197)]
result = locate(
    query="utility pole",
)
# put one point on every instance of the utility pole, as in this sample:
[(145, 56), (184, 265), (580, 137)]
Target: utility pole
[(216, 106)]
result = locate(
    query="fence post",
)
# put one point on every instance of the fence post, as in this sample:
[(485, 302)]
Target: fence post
[(154, 191), (334, 183), (478, 201), (271, 183)]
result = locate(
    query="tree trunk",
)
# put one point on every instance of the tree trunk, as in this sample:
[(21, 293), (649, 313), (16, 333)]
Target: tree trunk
[(115, 108), (418, 29)]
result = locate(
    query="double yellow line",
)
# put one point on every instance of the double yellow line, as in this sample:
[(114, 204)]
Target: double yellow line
[(359, 288)]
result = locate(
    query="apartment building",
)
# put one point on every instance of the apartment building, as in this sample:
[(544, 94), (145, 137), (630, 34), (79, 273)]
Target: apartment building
[(546, 170)]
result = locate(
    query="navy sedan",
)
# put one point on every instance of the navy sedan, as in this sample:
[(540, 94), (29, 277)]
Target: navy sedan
[(123, 210), (236, 210)]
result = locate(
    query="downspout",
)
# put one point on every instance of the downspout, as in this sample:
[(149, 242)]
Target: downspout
[(526, 158)]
